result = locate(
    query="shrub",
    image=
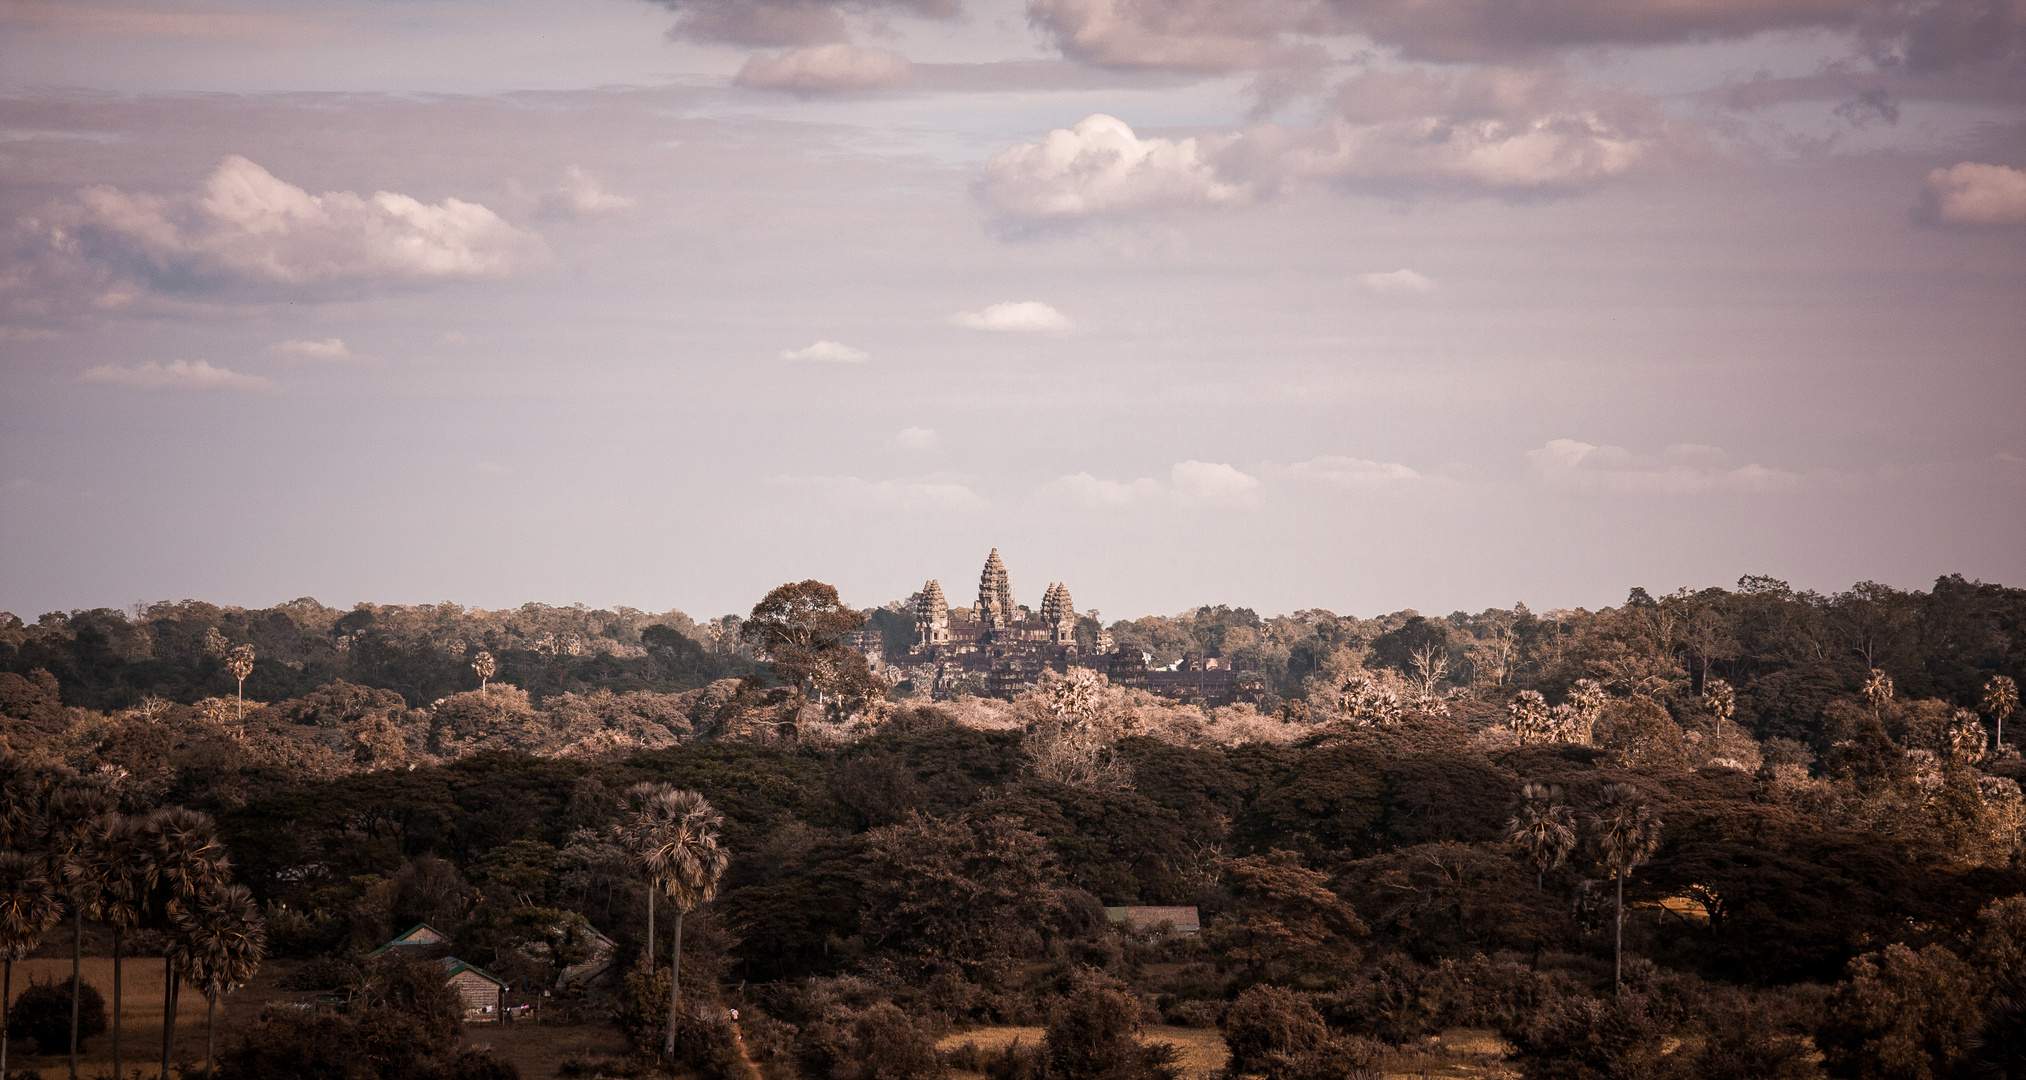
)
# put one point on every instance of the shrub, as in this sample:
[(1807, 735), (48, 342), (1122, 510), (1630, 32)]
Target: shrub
[(1094, 1033), (42, 1012), (1277, 1034), (287, 1043)]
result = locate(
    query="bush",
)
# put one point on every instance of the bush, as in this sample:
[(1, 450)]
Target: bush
[(1277, 1034), (287, 1043), (1094, 1033), (42, 1012)]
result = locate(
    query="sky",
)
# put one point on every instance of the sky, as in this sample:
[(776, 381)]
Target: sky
[(1352, 304)]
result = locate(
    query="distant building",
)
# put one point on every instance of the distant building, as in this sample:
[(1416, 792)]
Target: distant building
[(419, 937), (996, 648), (1142, 920)]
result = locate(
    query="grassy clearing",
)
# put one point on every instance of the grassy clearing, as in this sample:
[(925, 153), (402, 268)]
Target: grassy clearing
[(1202, 1049)]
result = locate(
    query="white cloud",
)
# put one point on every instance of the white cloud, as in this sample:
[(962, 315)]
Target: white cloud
[(838, 67), (1351, 472), (829, 351), (1204, 483), (918, 438), (580, 195), (327, 349), (176, 375), (1027, 316), (1083, 489), (1681, 469), (248, 225), (1101, 167), (933, 493), (1397, 283), (1972, 194)]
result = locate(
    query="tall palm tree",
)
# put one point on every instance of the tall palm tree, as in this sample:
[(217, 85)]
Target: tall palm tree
[(111, 874), (485, 666), (686, 858), (23, 793), (185, 859), (29, 906), (636, 838), (223, 940), (1543, 827), (69, 825), (1628, 831), (2001, 696), (240, 663)]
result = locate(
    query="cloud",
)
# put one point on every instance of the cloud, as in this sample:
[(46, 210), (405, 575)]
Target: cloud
[(1972, 194), (245, 226), (1083, 489), (1681, 469), (838, 67), (1351, 472), (918, 438), (1397, 283), (176, 375), (784, 23), (828, 351), (1494, 130), (1028, 316), (1203, 483), (1209, 36), (932, 493), (579, 195), (1101, 167), (327, 349)]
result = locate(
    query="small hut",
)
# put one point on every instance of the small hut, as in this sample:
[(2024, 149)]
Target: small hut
[(483, 992), (421, 936)]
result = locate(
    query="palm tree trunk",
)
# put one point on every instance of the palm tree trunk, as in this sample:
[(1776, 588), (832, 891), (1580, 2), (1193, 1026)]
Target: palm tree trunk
[(6, 994), (210, 1032), (1618, 952), (650, 927), (674, 987), (76, 982), (171, 982), (116, 1002)]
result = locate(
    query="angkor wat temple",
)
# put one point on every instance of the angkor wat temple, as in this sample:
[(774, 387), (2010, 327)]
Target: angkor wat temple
[(997, 648)]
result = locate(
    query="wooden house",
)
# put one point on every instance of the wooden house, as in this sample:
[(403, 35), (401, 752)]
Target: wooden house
[(421, 936)]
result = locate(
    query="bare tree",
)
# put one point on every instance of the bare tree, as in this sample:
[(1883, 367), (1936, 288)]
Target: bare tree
[(1430, 662)]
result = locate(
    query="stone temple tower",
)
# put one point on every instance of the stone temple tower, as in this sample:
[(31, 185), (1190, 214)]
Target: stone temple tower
[(995, 595), (1059, 612), (932, 616)]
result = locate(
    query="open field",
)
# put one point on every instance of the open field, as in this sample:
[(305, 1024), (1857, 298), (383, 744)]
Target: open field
[(1203, 1053)]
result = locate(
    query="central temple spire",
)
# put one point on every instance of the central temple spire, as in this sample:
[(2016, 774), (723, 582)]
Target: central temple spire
[(995, 593)]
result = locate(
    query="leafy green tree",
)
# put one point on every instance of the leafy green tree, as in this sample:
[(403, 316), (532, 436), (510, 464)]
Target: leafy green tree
[(1901, 1014), (1286, 919), (1628, 832), (803, 629)]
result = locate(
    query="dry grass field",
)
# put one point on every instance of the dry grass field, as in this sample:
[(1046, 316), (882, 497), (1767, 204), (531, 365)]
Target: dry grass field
[(1203, 1053)]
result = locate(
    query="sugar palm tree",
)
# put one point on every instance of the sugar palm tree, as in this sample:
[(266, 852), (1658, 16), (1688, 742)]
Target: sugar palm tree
[(1628, 831), (1543, 827), (485, 666), (636, 836), (111, 874), (240, 663), (29, 906), (686, 859), (69, 825), (223, 940), (2001, 696), (186, 859)]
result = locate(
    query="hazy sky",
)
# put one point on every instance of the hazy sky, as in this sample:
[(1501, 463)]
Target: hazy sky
[(1358, 304)]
